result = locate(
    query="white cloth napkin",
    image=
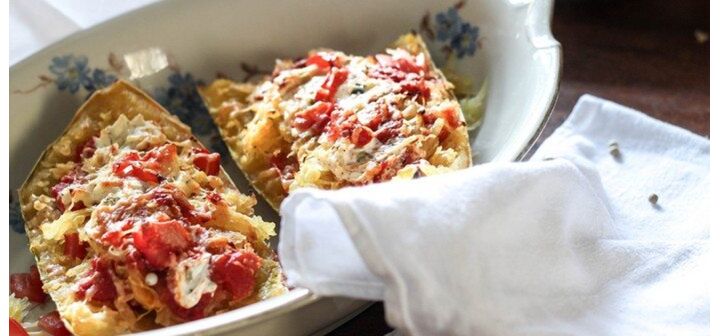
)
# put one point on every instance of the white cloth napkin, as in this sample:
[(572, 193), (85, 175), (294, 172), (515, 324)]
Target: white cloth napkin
[(570, 246)]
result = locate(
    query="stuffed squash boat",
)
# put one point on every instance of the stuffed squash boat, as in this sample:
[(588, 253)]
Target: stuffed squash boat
[(332, 120), (134, 225)]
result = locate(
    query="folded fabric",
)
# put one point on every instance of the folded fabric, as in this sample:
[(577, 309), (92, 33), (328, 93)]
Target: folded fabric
[(567, 243)]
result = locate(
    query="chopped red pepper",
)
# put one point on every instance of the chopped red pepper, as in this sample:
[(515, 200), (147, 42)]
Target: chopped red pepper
[(99, 284), (28, 285), (159, 240), (207, 162), (235, 272), (74, 248), (16, 329), (53, 324), (315, 118), (332, 82)]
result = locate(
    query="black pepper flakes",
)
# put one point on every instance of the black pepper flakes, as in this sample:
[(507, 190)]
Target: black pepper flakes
[(614, 149), (358, 89)]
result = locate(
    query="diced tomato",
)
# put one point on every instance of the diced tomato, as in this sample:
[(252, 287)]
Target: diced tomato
[(280, 160), (158, 241), (214, 197), (286, 167), (28, 285), (389, 130), (428, 119), (378, 176), (405, 64), (174, 201), (315, 118), (327, 91), (209, 163), (382, 113), (72, 177), (361, 136), (16, 329), (161, 155), (187, 314), (115, 233), (235, 272), (318, 60), (217, 244), (85, 150), (129, 166), (452, 121), (342, 124), (113, 238), (99, 284), (415, 87), (146, 168), (390, 73), (53, 324), (323, 60), (451, 117), (403, 69), (74, 248)]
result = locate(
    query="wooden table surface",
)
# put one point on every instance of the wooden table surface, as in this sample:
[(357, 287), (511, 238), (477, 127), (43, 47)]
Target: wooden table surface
[(642, 54)]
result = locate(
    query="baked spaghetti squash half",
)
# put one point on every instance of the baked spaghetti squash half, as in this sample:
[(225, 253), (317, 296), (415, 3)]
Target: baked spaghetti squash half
[(331, 120), (134, 224)]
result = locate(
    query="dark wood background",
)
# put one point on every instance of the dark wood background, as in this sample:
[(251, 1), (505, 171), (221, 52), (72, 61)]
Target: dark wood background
[(640, 53)]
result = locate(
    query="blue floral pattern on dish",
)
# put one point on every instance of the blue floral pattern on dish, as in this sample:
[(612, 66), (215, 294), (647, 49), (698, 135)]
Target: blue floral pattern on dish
[(182, 99), (71, 72), (456, 36), (448, 24), (465, 43), (101, 79)]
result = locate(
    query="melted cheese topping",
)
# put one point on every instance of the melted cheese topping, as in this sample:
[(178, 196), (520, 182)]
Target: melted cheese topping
[(131, 182), (192, 279), (351, 120)]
